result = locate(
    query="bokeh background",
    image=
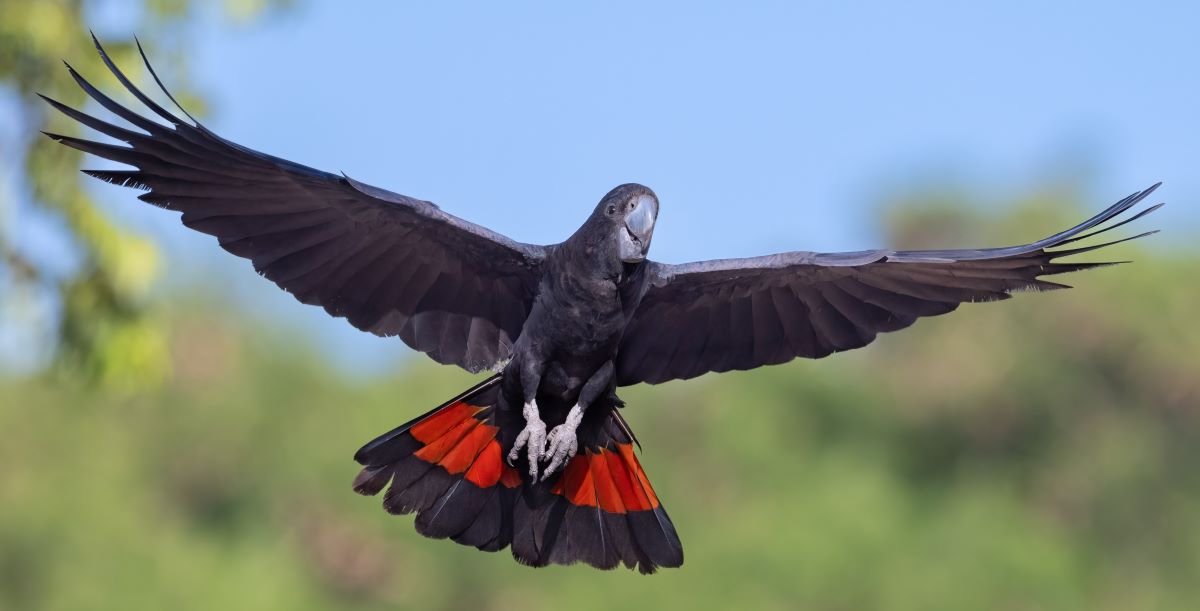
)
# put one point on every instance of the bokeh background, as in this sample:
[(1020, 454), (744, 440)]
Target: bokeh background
[(176, 433)]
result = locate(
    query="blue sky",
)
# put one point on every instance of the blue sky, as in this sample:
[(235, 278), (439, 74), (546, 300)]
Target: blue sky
[(762, 126)]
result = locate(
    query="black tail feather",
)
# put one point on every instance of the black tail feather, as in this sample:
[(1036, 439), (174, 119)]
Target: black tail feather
[(448, 468)]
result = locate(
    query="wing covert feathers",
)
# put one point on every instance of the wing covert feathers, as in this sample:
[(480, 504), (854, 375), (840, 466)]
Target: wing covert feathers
[(736, 314), (389, 264)]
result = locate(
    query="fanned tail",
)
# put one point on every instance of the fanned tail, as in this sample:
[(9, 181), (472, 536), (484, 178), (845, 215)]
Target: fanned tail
[(448, 467)]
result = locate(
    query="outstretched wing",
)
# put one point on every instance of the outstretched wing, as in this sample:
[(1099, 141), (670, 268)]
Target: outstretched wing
[(388, 263), (745, 313)]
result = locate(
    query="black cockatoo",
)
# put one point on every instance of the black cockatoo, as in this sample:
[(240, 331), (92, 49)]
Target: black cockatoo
[(536, 456)]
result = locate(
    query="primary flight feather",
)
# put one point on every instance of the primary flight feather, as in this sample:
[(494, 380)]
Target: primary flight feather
[(536, 457)]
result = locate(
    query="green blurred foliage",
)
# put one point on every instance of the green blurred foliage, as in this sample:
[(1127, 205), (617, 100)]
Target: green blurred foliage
[(1041, 453), (108, 331), (1038, 454)]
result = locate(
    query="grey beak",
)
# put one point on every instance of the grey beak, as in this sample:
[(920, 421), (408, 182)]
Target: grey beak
[(641, 221)]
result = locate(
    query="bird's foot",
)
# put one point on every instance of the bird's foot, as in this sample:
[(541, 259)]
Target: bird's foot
[(562, 442), (532, 438)]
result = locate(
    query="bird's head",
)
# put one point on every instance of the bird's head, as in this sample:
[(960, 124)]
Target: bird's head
[(630, 211)]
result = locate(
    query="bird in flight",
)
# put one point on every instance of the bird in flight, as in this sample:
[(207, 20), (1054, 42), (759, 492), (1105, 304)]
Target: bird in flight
[(537, 456)]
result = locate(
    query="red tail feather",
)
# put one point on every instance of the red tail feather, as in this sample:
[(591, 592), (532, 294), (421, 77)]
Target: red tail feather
[(448, 467)]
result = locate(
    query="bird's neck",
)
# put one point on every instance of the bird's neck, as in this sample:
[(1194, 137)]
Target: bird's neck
[(591, 254)]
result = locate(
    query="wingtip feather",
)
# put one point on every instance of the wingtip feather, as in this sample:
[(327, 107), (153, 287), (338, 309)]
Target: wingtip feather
[(1056, 254), (137, 93), (161, 86)]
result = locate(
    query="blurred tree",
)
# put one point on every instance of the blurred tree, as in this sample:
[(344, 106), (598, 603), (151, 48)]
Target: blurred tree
[(1043, 453), (106, 330)]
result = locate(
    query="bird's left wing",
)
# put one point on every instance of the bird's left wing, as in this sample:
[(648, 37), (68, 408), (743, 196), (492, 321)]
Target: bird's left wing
[(388, 263), (744, 313)]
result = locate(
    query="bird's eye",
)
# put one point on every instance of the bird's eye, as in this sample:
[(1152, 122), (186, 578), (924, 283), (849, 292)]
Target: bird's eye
[(633, 204), (612, 210)]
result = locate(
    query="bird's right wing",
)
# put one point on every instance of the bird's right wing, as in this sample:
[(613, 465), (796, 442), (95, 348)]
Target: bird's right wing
[(744, 313), (388, 263)]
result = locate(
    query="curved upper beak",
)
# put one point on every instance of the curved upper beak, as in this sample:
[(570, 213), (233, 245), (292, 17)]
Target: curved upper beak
[(640, 221)]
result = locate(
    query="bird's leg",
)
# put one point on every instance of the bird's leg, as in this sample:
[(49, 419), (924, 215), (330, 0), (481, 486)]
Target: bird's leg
[(563, 442), (533, 436)]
